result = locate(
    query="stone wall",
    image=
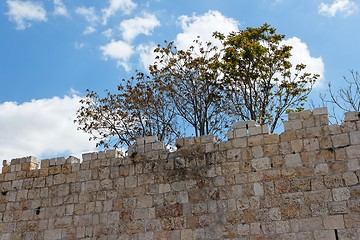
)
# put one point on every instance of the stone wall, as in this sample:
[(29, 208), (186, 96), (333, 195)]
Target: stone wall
[(301, 184)]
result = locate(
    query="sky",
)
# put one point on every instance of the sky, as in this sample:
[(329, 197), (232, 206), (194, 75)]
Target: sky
[(51, 51)]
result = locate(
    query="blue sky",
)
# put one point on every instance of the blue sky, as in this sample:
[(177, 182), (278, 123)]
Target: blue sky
[(51, 51)]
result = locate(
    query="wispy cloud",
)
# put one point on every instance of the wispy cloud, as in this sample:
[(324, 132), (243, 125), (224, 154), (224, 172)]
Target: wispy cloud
[(23, 13), (139, 25), (41, 128), (345, 7), (119, 51), (60, 8), (89, 13), (125, 6)]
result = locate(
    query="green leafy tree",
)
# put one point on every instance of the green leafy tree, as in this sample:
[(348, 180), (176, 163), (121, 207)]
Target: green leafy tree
[(260, 82), (188, 79), (205, 87)]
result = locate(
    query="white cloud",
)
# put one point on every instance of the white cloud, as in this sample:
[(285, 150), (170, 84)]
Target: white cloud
[(139, 25), (41, 128), (147, 55), (89, 14), (60, 8), (203, 26), (125, 6), (79, 45), (108, 33), (88, 30), (346, 7), (24, 12), (119, 51), (301, 54)]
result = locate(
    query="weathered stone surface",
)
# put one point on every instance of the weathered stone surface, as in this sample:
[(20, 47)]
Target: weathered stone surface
[(301, 184)]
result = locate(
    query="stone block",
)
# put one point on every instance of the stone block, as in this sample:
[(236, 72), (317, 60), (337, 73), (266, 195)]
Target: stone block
[(240, 133), (150, 139), (257, 130), (355, 137), (292, 125), (351, 116), (293, 160), (320, 111), (324, 235), (350, 178), (293, 116), (340, 140), (341, 194), (260, 164), (353, 164), (258, 189), (244, 124), (271, 139), (353, 152), (322, 169), (334, 222)]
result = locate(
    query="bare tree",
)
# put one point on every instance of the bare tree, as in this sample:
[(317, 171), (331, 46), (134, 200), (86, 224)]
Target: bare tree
[(344, 99)]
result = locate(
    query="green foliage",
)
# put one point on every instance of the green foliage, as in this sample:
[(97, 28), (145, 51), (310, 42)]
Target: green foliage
[(249, 78), (188, 79), (259, 80)]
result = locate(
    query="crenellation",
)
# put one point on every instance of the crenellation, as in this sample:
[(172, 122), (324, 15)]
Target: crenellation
[(299, 184)]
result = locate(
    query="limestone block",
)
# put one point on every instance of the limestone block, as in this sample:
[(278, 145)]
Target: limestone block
[(341, 194), (351, 116), (341, 140), (230, 135), (256, 140), (258, 189), (260, 164), (150, 139), (355, 137), (293, 160), (164, 188), (257, 130), (292, 125), (353, 152), (85, 157), (233, 153), (240, 133), (350, 179), (320, 111), (244, 124), (321, 169), (271, 139), (257, 152), (238, 142), (324, 235), (293, 116), (52, 234), (334, 222), (210, 138), (297, 145), (311, 144), (353, 164), (185, 234)]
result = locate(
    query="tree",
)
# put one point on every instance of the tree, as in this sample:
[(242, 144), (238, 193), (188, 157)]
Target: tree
[(188, 78), (260, 82), (250, 78), (137, 110), (346, 98)]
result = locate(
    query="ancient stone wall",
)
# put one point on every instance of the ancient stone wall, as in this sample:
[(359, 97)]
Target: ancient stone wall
[(300, 184)]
